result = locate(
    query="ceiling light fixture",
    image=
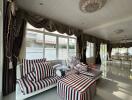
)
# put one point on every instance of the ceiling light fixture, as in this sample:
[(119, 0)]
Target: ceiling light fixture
[(91, 5), (41, 4)]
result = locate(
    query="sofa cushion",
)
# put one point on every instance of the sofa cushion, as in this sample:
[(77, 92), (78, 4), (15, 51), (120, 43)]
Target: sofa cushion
[(27, 65), (28, 86), (43, 70), (31, 76)]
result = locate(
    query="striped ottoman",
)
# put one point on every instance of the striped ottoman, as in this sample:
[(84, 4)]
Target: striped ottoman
[(76, 87)]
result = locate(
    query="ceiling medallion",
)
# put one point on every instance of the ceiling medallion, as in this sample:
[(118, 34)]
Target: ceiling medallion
[(91, 5)]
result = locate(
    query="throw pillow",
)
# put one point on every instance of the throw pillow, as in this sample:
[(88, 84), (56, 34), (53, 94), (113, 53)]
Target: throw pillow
[(56, 66), (27, 65), (43, 70), (60, 73), (31, 76)]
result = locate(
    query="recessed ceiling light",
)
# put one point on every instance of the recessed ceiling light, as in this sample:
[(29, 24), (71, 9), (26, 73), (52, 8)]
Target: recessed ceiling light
[(41, 3)]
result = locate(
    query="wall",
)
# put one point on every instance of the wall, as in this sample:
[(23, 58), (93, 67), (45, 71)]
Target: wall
[(1, 46)]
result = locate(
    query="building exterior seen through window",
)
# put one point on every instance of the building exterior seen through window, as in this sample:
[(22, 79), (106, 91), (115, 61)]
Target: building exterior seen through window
[(49, 45)]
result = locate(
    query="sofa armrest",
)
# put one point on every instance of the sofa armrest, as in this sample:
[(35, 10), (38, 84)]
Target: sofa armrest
[(18, 71)]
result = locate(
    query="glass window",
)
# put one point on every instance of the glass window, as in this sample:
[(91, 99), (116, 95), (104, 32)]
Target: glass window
[(72, 47), (63, 48), (50, 47), (130, 51), (90, 50), (122, 50), (34, 45), (115, 51), (103, 52)]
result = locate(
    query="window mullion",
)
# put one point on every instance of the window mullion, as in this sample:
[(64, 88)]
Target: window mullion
[(68, 47), (57, 49), (43, 45), (75, 47)]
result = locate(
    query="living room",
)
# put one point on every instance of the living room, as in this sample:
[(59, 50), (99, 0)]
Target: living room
[(66, 50)]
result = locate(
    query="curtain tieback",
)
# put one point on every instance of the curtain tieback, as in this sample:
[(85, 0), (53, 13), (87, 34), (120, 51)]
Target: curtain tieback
[(10, 63)]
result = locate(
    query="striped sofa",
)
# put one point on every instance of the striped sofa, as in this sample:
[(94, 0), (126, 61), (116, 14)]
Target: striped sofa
[(35, 76)]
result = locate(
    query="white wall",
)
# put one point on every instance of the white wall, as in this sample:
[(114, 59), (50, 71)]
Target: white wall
[(1, 46)]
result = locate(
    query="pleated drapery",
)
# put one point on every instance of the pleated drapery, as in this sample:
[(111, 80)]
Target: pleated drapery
[(97, 54), (13, 31)]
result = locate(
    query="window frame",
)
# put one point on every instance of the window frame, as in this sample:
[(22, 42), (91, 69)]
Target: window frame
[(90, 51), (57, 41)]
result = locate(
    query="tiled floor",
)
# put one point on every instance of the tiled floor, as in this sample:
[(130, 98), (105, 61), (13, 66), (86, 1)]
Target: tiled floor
[(115, 84)]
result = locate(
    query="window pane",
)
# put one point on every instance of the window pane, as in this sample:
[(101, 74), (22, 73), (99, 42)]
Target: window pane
[(122, 50), (130, 51), (29, 26), (63, 51), (50, 47), (34, 45), (103, 52), (90, 50), (114, 51), (72, 47)]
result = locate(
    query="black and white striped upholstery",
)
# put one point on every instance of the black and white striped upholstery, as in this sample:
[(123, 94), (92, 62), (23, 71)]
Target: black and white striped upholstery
[(31, 76), (28, 86), (43, 70), (27, 65)]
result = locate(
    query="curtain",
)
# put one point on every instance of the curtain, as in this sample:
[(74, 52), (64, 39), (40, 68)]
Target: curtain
[(109, 50), (13, 30), (81, 48), (119, 45), (97, 53), (48, 24)]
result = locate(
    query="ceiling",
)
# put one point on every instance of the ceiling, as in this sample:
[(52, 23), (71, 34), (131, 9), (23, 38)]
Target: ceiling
[(115, 15)]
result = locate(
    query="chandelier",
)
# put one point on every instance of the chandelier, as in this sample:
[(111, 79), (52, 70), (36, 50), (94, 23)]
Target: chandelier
[(91, 5)]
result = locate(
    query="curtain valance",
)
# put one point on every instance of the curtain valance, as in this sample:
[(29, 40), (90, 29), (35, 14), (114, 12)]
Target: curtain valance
[(93, 39), (120, 45), (50, 25)]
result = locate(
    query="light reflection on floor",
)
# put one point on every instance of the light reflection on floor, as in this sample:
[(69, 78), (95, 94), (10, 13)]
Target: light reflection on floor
[(116, 82)]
